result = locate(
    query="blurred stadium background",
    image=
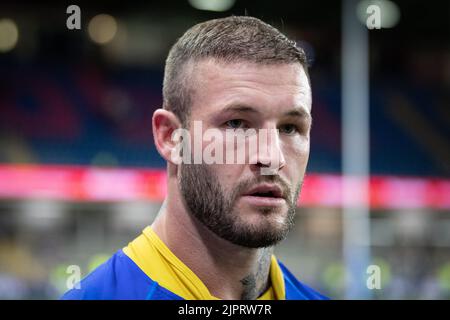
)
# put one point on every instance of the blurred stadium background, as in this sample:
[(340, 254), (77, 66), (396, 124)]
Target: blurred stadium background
[(80, 177)]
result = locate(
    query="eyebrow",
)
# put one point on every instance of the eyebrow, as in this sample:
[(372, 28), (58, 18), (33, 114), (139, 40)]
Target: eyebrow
[(297, 113), (240, 108)]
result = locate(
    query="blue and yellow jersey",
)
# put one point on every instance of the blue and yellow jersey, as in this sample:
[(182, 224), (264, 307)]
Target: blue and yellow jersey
[(147, 270)]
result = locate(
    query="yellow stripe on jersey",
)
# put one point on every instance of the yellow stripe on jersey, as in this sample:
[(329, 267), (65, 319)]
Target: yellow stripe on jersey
[(156, 260)]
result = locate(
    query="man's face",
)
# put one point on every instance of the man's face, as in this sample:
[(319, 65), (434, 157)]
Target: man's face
[(236, 201)]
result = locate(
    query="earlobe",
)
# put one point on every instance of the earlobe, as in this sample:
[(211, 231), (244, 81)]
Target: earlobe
[(164, 124)]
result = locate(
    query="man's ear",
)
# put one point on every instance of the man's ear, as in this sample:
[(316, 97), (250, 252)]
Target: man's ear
[(164, 123)]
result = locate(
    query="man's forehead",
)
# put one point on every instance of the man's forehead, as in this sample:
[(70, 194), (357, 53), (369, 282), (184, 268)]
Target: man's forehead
[(207, 69), (234, 80)]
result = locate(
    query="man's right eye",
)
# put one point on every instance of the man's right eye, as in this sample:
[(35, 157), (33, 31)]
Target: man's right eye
[(234, 124)]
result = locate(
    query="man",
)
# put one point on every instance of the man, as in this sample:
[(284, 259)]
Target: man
[(215, 233)]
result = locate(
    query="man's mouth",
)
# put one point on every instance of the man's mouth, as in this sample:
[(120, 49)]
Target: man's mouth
[(269, 195)]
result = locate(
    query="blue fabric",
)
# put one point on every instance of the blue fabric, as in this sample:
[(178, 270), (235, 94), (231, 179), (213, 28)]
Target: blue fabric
[(120, 278), (295, 290)]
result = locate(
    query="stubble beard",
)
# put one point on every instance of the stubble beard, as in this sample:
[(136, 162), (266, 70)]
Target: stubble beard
[(206, 200)]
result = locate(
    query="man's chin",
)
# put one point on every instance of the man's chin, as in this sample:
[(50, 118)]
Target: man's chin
[(258, 238), (260, 230)]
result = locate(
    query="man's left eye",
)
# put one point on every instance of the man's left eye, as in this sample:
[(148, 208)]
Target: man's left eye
[(235, 123), (288, 128)]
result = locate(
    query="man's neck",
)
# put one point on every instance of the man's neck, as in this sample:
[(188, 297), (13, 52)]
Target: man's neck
[(228, 271)]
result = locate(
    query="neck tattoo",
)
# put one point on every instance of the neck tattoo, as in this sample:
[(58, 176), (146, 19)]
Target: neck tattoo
[(258, 281)]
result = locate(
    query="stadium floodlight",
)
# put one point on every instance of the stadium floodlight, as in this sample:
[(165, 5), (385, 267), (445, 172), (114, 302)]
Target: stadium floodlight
[(102, 28), (212, 5), (9, 35)]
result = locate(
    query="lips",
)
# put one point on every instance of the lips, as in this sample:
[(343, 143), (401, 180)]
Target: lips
[(265, 195), (268, 191)]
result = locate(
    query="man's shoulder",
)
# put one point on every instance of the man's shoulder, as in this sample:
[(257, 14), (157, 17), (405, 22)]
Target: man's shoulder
[(296, 290), (119, 278)]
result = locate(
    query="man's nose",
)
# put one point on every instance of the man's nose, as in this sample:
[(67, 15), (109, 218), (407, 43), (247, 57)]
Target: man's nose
[(269, 157)]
